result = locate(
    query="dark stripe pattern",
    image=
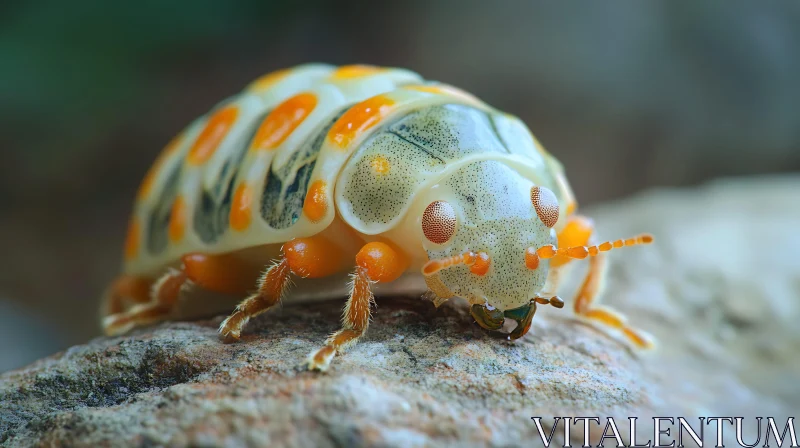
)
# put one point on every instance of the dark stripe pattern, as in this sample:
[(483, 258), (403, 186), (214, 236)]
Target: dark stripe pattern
[(211, 216), (286, 187)]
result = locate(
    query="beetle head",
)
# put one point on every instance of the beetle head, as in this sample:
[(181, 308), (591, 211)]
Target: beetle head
[(489, 235), (476, 225)]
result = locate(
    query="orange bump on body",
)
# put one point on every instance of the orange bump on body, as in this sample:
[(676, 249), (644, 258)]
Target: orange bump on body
[(355, 71), (316, 203), (132, 239), (209, 139), (283, 120), (150, 177), (313, 257), (382, 262), (531, 258), (177, 219), (380, 165), (225, 273), (270, 79), (358, 119), (481, 264), (241, 208)]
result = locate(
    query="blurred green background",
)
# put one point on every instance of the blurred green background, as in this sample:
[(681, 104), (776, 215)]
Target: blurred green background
[(629, 95)]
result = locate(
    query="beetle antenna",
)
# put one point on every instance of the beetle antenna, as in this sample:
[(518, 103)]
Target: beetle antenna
[(433, 266), (532, 255)]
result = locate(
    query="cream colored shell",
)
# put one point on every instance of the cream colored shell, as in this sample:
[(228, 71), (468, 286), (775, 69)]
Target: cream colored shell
[(430, 132)]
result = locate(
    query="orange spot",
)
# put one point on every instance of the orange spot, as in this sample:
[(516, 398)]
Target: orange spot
[(150, 177), (481, 264), (380, 165), (177, 220), (241, 208), (316, 203), (283, 120), (355, 71), (531, 258), (132, 239), (313, 257), (382, 262), (209, 139), (358, 119), (270, 79)]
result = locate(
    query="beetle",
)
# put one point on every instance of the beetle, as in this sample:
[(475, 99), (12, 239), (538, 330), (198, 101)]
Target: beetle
[(317, 171)]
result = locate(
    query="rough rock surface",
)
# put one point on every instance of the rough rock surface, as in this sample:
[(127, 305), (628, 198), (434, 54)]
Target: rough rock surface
[(719, 290)]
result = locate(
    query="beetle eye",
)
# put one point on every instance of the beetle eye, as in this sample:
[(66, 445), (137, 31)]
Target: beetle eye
[(546, 205), (439, 222)]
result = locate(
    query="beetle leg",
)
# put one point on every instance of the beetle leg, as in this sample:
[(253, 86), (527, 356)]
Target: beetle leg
[(124, 290), (586, 307), (163, 297), (271, 287), (355, 321), (488, 319), (311, 257), (375, 262), (578, 232)]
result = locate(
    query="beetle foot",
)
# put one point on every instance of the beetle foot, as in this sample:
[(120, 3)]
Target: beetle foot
[(321, 359)]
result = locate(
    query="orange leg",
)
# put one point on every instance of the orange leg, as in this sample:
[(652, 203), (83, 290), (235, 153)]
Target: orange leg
[(311, 257), (375, 262), (163, 297), (126, 290), (155, 301), (578, 232)]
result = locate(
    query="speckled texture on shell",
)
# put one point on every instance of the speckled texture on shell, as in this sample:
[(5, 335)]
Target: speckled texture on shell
[(415, 148), (496, 216)]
